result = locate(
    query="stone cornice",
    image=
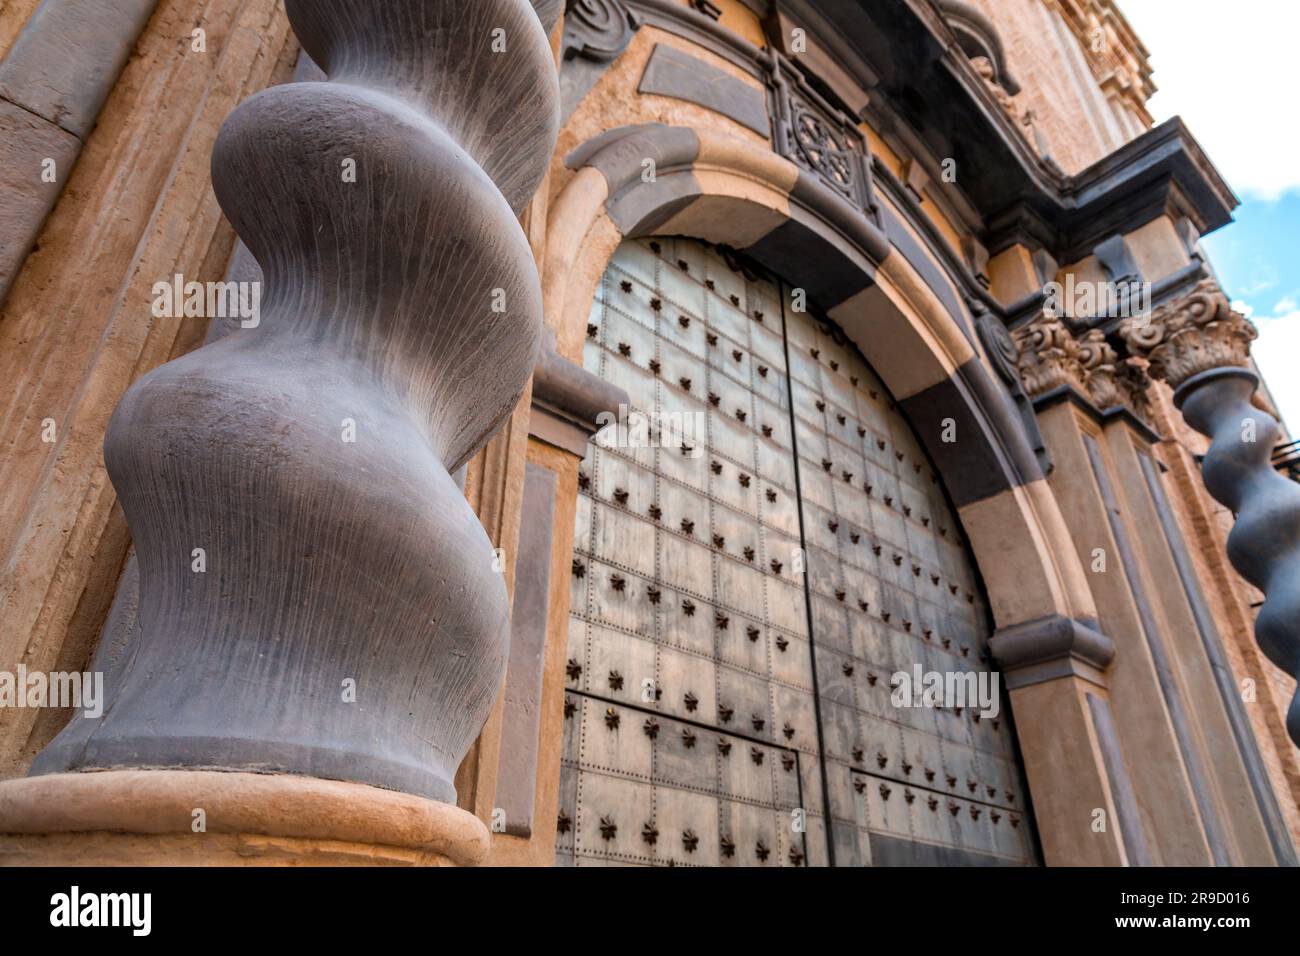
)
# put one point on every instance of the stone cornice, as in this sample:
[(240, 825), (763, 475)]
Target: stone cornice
[(568, 401), (1142, 427), (1162, 172), (1021, 194), (896, 50)]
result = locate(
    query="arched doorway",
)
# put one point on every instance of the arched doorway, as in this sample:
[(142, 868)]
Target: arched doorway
[(744, 589)]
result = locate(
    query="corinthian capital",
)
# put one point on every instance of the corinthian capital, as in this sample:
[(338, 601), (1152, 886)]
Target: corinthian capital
[(1049, 356), (1101, 368), (1192, 334)]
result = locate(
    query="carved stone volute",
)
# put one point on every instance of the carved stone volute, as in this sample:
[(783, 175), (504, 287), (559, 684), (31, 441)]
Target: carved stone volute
[(1191, 334), (1049, 356), (598, 29), (1101, 368)]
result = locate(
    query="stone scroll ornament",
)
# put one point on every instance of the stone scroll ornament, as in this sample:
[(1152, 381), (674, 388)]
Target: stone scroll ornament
[(350, 619), (1200, 346)]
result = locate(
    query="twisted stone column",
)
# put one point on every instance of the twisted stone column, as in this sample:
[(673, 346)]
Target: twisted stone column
[(348, 621), (1199, 345)]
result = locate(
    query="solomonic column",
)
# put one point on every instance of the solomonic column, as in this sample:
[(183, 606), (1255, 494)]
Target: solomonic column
[(322, 620), (1200, 346)]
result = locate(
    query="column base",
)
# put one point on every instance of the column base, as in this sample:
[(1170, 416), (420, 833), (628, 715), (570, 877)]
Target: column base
[(148, 818)]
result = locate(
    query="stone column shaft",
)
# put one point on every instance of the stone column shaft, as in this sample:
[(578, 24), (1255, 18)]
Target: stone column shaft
[(317, 598), (1200, 346)]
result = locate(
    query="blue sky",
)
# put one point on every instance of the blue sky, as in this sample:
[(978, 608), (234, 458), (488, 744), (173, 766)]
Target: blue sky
[(1242, 109)]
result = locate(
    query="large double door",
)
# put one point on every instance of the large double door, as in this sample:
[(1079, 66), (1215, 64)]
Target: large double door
[(749, 571)]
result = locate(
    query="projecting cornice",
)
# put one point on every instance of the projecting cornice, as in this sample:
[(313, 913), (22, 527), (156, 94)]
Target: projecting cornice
[(905, 66), (923, 86), (1163, 171)]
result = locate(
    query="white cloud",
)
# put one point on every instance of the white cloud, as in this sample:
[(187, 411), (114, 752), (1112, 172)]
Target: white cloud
[(1286, 306), (1231, 70), (1275, 352)]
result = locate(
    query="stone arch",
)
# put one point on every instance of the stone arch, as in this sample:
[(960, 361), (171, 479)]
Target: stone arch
[(655, 179)]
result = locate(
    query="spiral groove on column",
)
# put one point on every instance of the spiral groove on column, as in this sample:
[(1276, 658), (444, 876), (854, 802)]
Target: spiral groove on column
[(1264, 544), (401, 306), (1199, 345)]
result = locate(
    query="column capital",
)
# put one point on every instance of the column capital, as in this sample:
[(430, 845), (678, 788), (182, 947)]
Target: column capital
[(1049, 356), (1194, 333), (1113, 379)]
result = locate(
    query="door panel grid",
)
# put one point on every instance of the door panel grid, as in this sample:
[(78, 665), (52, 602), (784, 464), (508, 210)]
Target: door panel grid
[(692, 701)]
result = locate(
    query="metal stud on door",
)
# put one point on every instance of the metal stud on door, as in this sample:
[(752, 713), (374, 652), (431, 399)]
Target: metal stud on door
[(697, 559)]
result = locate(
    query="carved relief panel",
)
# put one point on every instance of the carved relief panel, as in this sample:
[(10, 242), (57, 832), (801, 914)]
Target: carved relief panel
[(727, 552), (817, 135)]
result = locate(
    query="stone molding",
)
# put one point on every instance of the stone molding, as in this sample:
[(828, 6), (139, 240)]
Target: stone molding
[(54, 81), (598, 30), (135, 817), (568, 401), (1004, 356), (1050, 648)]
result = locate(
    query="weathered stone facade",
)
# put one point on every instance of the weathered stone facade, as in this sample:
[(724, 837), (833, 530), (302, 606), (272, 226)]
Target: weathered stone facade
[(863, 216)]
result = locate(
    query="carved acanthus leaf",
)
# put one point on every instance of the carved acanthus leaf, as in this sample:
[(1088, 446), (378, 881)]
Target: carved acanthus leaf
[(1049, 356), (1192, 334), (1134, 380), (1101, 369)]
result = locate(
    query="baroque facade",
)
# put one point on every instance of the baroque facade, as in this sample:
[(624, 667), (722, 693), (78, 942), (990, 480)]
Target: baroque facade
[(462, 432)]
